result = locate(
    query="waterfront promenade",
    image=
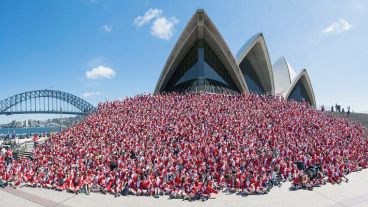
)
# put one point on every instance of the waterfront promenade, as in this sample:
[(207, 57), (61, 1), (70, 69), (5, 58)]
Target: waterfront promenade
[(352, 194)]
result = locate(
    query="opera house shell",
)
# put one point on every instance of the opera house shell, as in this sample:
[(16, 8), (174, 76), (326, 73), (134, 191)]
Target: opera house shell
[(201, 61)]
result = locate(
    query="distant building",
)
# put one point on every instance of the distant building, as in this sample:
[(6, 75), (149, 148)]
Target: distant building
[(30, 123), (202, 62)]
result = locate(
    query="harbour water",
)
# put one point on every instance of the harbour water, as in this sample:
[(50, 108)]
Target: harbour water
[(24, 131)]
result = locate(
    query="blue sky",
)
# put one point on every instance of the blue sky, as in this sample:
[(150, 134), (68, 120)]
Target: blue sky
[(106, 50)]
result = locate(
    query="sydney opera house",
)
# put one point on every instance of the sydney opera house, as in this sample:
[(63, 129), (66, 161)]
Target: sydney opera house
[(202, 62)]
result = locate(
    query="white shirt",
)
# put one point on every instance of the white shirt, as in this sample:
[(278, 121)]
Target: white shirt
[(3, 151)]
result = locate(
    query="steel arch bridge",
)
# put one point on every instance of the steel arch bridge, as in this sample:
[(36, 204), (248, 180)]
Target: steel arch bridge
[(45, 102)]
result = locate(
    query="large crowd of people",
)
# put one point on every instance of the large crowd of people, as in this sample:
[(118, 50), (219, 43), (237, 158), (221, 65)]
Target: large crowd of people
[(190, 146)]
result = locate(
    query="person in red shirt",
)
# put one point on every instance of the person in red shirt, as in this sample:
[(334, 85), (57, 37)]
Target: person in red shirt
[(8, 156), (156, 185), (207, 190), (76, 183), (16, 180), (35, 141), (61, 182), (132, 186), (87, 183), (117, 185), (306, 181), (193, 192), (145, 186), (68, 185), (297, 182)]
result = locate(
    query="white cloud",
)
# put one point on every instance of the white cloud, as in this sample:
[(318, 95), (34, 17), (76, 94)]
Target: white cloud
[(148, 16), (100, 72), (107, 28), (164, 28), (337, 27), (89, 94)]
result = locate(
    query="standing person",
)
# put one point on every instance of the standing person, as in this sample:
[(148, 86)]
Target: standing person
[(87, 183), (8, 156), (3, 151), (348, 111), (35, 139)]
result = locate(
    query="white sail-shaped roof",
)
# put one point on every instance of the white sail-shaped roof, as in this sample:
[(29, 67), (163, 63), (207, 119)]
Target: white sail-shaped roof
[(253, 55), (201, 61), (286, 80), (304, 80), (200, 27), (283, 74)]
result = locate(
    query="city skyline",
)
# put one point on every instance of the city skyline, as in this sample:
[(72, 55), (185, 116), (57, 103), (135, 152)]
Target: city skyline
[(108, 50)]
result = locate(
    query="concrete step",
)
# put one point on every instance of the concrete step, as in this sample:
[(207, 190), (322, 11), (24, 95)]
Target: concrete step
[(23, 154), (27, 147), (355, 117)]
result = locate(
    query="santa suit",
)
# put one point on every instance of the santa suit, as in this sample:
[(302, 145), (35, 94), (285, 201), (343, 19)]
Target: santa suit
[(109, 183), (68, 183), (209, 189)]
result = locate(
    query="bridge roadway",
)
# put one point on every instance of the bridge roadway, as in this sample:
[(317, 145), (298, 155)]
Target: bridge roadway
[(42, 112), (352, 194)]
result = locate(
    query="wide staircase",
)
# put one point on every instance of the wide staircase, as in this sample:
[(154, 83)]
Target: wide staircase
[(25, 149), (355, 117)]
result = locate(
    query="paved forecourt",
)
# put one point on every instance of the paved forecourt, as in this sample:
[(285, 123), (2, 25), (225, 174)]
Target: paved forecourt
[(354, 193)]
